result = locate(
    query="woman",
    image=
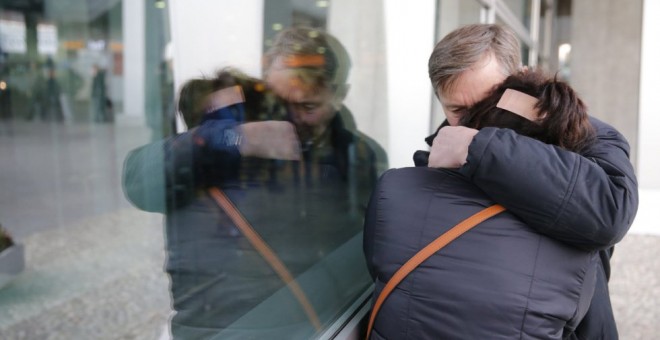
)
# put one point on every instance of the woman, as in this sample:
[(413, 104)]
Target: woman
[(500, 280)]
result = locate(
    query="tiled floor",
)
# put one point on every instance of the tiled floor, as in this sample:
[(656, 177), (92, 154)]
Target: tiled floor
[(635, 287), (635, 280)]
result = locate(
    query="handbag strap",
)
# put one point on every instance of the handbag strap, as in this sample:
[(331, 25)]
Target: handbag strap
[(426, 252), (266, 252)]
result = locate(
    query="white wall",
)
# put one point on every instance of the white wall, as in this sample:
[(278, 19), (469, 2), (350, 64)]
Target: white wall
[(209, 35), (360, 27), (648, 165), (409, 39), (648, 143)]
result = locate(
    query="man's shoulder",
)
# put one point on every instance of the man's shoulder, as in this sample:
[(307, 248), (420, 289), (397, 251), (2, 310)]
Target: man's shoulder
[(603, 128), (440, 185), (426, 177), (607, 134), (365, 145), (370, 150), (599, 124), (365, 141)]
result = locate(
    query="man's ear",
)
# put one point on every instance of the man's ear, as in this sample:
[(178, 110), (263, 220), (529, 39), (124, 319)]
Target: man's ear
[(340, 95)]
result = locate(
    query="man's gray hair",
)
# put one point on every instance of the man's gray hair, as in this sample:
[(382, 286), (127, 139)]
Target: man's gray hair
[(464, 47), (307, 41)]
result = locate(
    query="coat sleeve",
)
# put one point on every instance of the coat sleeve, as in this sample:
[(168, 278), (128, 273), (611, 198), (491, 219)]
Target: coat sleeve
[(160, 173), (166, 174), (587, 200)]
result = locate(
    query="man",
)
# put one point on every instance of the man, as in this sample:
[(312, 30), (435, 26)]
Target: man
[(590, 204), (298, 177)]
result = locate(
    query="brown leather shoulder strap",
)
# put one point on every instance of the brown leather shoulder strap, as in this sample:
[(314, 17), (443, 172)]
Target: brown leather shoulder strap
[(426, 252), (266, 252)]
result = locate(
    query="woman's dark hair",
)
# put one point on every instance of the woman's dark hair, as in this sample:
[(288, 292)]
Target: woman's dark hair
[(563, 119)]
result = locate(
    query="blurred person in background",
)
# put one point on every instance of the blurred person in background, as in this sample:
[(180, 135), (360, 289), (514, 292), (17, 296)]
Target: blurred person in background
[(48, 93), (101, 107)]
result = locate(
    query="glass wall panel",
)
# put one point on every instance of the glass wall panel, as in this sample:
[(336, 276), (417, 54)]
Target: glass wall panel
[(266, 191), (85, 264), (126, 229)]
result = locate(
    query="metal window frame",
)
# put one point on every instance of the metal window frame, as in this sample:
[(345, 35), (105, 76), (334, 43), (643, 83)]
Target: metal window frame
[(498, 9), (348, 325)]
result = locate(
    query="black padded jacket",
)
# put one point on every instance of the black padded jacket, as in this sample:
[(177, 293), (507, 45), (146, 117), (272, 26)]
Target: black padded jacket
[(500, 280)]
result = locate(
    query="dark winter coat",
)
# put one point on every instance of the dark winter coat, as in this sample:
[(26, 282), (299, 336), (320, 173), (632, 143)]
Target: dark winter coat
[(500, 280)]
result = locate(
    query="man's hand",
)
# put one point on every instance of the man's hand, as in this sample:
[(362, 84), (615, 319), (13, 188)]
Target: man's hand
[(450, 147), (269, 139)]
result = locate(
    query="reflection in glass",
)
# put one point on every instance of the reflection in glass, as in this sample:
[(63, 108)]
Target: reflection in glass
[(264, 195), (85, 89)]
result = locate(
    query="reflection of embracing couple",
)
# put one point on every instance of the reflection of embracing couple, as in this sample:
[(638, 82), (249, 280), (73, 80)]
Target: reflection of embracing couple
[(264, 196)]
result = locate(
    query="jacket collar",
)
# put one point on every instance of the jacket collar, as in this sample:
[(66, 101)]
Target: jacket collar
[(429, 139)]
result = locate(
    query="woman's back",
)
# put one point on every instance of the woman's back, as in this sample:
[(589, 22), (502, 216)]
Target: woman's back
[(500, 280)]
